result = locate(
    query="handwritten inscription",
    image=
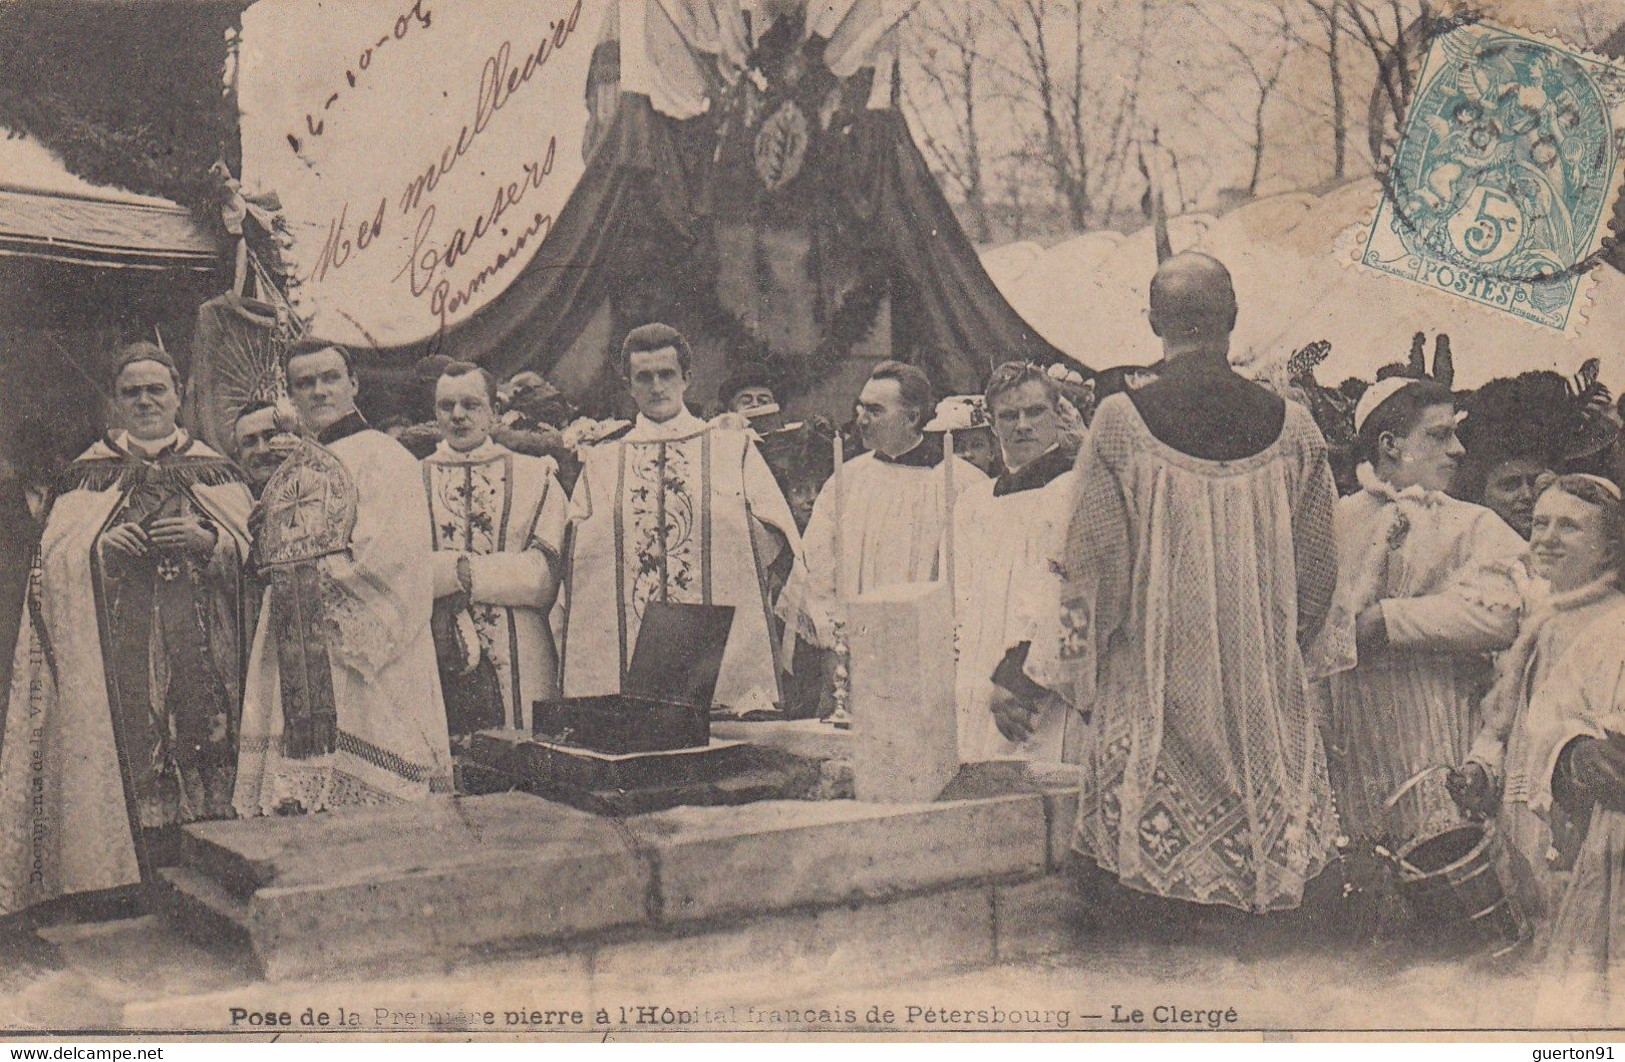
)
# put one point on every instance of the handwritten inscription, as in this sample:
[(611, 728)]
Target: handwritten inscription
[(426, 260), (433, 256)]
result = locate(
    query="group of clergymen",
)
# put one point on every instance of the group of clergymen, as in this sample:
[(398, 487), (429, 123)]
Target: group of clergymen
[(318, 623), (1245, 666)]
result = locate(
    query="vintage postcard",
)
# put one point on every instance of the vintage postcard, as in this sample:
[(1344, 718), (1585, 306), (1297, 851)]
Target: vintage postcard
[(887, 519)]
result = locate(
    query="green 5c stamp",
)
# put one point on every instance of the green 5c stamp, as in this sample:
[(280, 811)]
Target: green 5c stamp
[(1504, 181)]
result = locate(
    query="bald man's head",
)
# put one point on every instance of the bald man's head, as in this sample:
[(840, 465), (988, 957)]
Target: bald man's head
[(1192, 299)]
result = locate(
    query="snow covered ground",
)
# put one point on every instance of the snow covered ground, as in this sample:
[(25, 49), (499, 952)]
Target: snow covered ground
[(1292, 259)]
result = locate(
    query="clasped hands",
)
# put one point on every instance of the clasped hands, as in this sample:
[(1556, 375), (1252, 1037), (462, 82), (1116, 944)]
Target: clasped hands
[(1017, 719), (180, 533)]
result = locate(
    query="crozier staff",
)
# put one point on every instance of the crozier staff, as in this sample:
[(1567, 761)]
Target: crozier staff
[(342, 703)]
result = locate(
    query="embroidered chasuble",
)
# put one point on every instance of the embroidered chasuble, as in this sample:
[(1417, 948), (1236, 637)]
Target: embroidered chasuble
[(682, 512), (122, 717), (891, 529), (342, 702), (1191, 583), (1008, 535), (506, 513)]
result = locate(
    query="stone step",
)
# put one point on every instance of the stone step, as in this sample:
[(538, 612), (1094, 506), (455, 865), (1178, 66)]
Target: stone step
[(203, 910), (450, 881), (408, 885), (233, 869)]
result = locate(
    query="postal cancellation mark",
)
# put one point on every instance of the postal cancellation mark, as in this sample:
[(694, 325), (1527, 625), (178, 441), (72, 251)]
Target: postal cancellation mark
[(1507, 169)]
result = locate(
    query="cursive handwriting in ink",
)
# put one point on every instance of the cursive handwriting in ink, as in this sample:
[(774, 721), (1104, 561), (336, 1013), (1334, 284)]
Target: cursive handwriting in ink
[(412, 16), (499, 82), (426, 259), (338, 246)]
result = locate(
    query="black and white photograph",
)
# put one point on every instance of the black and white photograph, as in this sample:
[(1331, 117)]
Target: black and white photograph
[(846, 520)]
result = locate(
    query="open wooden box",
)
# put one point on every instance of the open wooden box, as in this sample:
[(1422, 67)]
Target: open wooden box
[(665, 699)]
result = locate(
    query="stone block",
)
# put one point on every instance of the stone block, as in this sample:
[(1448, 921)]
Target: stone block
[(413, 886), (770, 959), (1061, 809), (905, 731), (716, 862)]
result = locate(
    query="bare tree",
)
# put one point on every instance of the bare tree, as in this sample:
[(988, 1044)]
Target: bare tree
[(945, 42), (1394, 32), (1072, 86), (1329, 16), (1253, 40)]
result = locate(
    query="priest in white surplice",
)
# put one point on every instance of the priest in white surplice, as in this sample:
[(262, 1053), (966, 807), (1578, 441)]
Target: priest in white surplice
[(675, 509), (1007, 537), (498, 520), (342, 702), (890, 512)]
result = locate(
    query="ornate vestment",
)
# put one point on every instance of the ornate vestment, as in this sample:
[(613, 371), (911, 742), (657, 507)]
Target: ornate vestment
[(507, 514), (682, 512), (123, 706), (342, 701), (1008, 535), (1190, 582)]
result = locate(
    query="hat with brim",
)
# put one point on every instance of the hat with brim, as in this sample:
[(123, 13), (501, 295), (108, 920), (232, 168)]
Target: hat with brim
[(960, 413), (743, 378)]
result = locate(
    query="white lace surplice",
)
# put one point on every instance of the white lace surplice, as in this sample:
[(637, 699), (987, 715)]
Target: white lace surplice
[(392, 741), (1204, 771), (891, 532)]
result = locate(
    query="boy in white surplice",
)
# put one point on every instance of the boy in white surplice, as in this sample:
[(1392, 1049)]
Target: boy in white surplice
[(1427, 588), (674, 509), (498, 520)]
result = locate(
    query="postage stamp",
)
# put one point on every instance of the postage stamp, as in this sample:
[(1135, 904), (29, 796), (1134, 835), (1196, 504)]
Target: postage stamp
[(1503, 185)]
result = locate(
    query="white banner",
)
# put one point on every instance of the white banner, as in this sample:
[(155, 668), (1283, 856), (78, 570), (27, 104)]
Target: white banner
[(421, 148)]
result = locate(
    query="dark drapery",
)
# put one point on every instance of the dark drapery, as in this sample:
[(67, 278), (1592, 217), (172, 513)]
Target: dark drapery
[(642, 215)]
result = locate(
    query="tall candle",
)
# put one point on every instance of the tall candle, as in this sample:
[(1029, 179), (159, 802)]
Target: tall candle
[(839, 500)]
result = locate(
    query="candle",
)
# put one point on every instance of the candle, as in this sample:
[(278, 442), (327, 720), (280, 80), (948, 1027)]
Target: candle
[(948, 510)]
